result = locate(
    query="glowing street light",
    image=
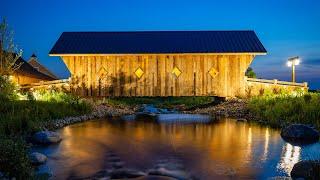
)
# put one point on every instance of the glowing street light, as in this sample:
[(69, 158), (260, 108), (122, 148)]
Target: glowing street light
[(292, 62)]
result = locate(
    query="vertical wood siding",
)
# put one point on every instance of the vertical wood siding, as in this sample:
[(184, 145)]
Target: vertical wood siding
[(115, 75)]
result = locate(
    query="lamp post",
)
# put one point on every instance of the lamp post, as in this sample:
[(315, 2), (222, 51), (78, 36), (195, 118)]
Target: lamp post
[(292, 62)]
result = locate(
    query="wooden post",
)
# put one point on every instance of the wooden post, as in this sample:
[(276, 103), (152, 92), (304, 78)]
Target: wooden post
[(275, 81)]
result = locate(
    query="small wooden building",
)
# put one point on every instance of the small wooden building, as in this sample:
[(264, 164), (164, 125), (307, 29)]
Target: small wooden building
[(27, 74), (158, 63)]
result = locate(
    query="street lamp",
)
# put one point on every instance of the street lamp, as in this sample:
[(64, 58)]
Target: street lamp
[(292, 62)]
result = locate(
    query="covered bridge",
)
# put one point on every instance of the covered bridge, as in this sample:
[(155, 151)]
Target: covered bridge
[(158, 63)]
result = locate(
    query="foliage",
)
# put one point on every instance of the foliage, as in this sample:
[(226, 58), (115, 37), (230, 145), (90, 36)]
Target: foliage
[(13, 158), (280, 109), (25, 116), (8, 51), (250, 73), (164, 102), (8, 89)]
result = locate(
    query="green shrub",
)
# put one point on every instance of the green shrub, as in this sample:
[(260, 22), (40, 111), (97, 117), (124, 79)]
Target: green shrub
[(8, 89), (13, 159), (281, 109)]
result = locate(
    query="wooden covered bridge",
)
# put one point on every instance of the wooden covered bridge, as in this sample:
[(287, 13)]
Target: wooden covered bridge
[(158, 63)]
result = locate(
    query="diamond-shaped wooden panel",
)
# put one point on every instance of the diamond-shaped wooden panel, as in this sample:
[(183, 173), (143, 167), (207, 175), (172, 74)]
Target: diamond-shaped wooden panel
[(176, 71), (102, 73), (213, 72), (139, 72)]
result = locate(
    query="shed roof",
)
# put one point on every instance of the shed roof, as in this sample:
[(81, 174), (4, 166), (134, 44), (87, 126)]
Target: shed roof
[(157, 42), (26, 69)]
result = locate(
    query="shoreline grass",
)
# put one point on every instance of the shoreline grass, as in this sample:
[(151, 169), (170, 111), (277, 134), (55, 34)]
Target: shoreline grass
[(281, 110)]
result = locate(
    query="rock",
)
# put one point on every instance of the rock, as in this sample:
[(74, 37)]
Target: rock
[(152, 177), (125, 173), (306, 169), (300, 134), (241, 120), (178, 174), (280, 178), (150, 109), (101, 175), (43, 175), (114, 159), (37, 158), (117, 165), (128, 117), (46, 137), (146, 116)]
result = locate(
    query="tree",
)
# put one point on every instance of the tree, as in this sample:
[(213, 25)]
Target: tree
[(250, 73), (8, 51)]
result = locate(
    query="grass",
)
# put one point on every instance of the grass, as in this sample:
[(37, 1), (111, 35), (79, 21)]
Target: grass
[(283, 109), (162, 102), (14, 161), (21, 115)]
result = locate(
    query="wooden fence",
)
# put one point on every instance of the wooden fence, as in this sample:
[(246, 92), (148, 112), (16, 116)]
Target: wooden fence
[(260, 86), (57, 84), (253, 86)]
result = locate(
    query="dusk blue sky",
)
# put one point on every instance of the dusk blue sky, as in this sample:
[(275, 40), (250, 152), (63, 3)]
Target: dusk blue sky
[(285, 27)]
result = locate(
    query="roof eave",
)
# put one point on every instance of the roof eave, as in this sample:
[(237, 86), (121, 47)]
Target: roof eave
[(137, 54)]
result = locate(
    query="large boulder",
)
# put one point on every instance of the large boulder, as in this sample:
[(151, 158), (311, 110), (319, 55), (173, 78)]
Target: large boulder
[(300, 134), (306, 170), (46, 137), (37, 158)]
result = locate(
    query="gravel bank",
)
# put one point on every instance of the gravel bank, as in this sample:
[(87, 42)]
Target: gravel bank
[(99, 111), (234, 108)]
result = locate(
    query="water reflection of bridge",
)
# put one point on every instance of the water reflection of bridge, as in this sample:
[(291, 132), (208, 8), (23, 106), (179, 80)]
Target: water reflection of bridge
[(211, 150)]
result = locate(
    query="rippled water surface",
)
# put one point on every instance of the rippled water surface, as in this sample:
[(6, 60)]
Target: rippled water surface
[(219, 149)]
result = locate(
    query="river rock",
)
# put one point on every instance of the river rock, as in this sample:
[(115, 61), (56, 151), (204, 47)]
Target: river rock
[(306, 170), (37, 158), (117, 165), (178, 174), (46, 137), (125, 173), (148, 108), (300, 134), (152, 177), (43, 175), (241, 120)]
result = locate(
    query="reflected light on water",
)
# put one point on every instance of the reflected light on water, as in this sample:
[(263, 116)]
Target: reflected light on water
[(290, 156), (266, 145), (214, 150)]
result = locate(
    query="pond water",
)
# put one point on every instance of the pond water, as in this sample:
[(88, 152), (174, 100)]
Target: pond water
[(217, 149)]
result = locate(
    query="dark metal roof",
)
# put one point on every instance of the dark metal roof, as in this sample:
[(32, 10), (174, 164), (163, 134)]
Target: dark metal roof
[(158, 42)]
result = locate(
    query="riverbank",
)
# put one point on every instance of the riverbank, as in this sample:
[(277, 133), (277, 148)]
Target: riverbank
[(99, 111), (233, 108), (274, 110)]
